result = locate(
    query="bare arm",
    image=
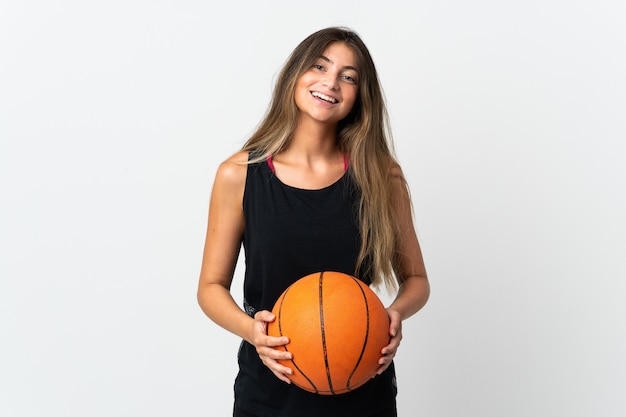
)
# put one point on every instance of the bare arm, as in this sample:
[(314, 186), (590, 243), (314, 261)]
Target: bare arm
[(222, 244), (414, 288), (225, 228)]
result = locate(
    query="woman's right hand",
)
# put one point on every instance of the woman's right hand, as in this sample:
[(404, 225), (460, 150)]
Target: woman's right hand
[(265, 346)]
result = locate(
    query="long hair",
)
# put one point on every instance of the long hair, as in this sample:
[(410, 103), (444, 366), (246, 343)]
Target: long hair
[(364, 135)]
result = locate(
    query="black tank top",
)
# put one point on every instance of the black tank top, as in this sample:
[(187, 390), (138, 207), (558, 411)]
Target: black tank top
[(290, 233)]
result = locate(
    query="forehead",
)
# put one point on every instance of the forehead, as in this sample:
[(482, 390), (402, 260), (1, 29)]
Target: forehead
[(339, 53)]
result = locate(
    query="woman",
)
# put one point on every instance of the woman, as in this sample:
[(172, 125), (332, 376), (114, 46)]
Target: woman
[(315, 188)]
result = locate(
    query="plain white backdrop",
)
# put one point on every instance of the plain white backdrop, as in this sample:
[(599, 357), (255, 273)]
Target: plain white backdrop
[(510, 122)]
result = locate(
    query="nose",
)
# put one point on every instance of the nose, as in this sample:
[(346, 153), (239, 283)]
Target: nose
[(330, 81)]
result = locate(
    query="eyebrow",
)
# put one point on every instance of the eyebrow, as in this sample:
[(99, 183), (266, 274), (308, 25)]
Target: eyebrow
[(349, 67)]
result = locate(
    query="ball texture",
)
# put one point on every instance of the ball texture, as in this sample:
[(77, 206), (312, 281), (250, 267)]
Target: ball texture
[(336, 326)]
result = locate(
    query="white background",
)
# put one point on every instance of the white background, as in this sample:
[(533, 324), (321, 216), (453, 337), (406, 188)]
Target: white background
[(509, 120)]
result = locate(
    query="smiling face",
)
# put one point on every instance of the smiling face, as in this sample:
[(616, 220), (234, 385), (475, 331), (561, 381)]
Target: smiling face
[(327, 91)]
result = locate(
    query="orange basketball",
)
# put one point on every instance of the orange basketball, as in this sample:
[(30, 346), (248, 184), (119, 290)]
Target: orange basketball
[(337, 327)]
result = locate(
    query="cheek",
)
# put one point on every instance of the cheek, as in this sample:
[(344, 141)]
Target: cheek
[(351, 98), (302, 90), (305, 80), (300, 96)]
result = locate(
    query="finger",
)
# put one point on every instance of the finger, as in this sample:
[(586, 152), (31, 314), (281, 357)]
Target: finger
[(282, 372), (265, 315), (383, 367), (282, 377), (273, 353), (387, 357), (391, 349), (385, 361), (395, 328), (393, 345), (275, 341), (395, 324)]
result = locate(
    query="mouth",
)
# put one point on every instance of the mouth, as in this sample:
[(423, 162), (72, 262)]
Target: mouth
[(324, 97)]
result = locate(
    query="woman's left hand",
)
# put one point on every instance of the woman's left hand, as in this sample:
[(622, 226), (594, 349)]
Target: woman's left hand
[(395, 331)]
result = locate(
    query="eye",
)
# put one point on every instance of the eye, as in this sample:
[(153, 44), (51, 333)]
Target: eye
[(349, 79), (318, 67)]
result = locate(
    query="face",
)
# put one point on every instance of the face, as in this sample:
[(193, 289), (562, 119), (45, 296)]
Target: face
[(327, 91)]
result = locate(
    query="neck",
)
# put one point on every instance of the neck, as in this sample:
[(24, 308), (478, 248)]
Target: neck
[(314, 138)]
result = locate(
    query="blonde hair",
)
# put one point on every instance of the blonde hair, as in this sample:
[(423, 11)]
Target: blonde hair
[(364, 135)]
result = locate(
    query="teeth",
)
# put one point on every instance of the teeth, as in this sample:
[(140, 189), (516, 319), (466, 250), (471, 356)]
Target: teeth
[(324, 97)]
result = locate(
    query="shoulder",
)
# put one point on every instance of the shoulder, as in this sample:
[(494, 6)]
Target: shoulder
[(395, 171), (230, 180), (233, 171), (396, 176), (399, 186)]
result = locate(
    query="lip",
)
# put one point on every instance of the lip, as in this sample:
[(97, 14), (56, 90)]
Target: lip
[(320, 100)]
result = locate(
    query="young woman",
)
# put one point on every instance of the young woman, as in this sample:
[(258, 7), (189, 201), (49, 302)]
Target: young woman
[(316, 188)]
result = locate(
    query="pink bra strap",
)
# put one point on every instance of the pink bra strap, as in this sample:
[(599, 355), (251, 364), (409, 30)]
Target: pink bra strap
[(270, 163)]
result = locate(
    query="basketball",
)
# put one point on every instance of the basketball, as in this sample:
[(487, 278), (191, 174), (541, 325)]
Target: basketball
[(337, 327)]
